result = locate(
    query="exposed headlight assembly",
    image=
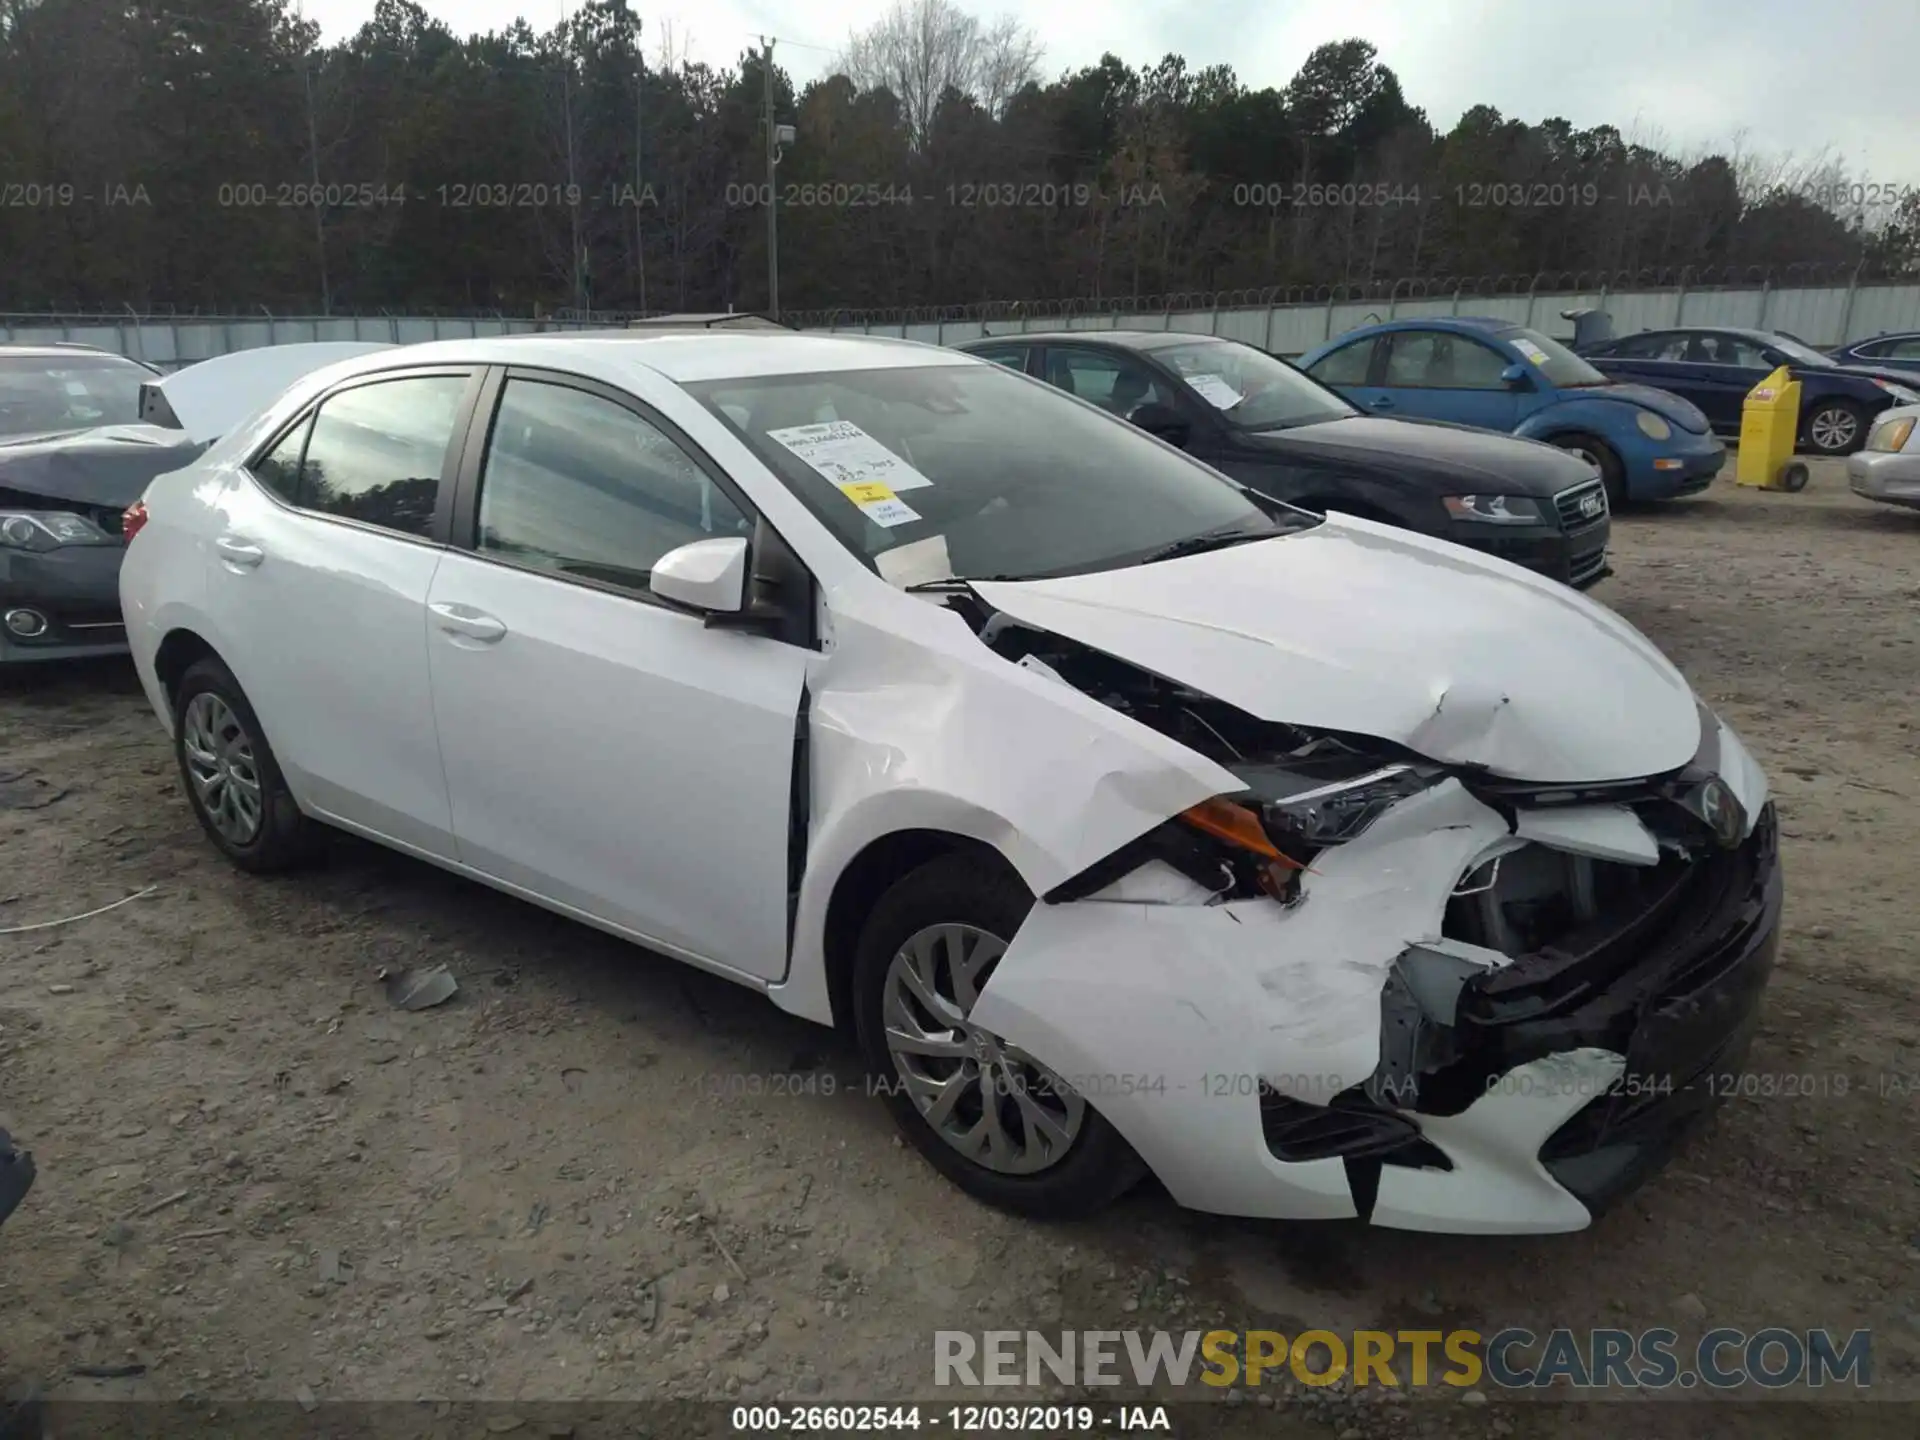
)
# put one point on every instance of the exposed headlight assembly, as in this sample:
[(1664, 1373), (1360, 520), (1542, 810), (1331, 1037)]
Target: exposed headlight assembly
[(48, 530)]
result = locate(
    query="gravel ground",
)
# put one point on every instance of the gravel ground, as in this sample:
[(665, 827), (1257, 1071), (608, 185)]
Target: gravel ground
[(599, 1175)]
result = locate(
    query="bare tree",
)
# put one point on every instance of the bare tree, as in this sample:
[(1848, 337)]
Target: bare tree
[(920, 49)]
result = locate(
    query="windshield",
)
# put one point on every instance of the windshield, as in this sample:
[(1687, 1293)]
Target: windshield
[(969, 470), (1800, 354), (1564, 369), (1251, 388), (45, 393)]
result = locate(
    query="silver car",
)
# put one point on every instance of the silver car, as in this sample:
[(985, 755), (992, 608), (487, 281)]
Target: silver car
[(1888, 468)]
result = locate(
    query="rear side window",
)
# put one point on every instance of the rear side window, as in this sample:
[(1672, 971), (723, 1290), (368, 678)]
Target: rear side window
[(1348, 366), (1014, 357), (578, 485), (279, 468), (375, 452)]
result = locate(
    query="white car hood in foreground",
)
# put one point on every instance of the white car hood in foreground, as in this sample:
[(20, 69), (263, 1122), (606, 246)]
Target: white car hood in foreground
[(1359, 627)]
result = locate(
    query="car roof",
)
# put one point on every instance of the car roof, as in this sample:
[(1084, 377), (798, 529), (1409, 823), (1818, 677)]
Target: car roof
[(1125, 339), (682, 356)]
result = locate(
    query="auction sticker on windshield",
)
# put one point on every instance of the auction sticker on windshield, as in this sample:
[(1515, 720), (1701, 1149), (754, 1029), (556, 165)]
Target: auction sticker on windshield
[(878, 503), (1215, 391), (1532, 351), (847, 455)]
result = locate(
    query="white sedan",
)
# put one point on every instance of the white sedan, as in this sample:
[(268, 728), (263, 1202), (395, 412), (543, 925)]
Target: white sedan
[(1127, 821)]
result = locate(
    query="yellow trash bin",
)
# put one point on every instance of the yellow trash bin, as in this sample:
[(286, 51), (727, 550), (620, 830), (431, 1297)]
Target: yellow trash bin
[(1769, 423)]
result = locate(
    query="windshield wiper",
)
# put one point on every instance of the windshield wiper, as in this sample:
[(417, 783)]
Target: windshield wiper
[(961, 582), (1207, 540)]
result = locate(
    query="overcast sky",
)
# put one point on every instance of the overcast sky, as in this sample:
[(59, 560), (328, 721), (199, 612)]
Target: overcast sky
[(1794, 78)]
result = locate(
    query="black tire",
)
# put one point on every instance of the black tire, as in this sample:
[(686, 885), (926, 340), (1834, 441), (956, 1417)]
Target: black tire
[(283, 837), (1793, 477), (1612, 473), (1099, 1166), (1834, 427)]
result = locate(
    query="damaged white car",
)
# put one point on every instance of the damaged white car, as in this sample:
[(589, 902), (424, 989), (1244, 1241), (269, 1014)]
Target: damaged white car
[(1130, 822)]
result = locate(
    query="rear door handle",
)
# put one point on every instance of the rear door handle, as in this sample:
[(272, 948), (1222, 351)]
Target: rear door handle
[(467, 621), (236, 551)]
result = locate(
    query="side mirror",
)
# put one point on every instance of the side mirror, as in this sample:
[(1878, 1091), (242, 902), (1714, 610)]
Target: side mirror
[(708, 575), (1164, 421), (1515, 377)]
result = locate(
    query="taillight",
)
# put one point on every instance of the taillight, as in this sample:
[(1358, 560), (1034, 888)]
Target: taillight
[(131, 522)]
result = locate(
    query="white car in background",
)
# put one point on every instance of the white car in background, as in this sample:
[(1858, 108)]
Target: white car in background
[(1127, 821)]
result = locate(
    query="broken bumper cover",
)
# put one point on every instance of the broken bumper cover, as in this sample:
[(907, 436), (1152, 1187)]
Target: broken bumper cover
[(1288, 1063), (76, 593)]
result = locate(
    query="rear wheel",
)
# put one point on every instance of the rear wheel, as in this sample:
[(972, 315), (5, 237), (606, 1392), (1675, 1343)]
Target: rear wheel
[(233, 782), (1601, 456), (1835, 427), (987, 1115)]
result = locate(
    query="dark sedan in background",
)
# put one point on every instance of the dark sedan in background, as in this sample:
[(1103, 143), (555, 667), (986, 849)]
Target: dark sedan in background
[(1884, 352), (1277, 431), (1716, 367)]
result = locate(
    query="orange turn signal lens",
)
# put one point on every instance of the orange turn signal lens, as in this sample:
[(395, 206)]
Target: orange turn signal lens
[(1236, 825)]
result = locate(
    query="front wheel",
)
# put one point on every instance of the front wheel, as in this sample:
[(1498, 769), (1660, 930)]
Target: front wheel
[(1834, 427), (233, 782), (988, 1116), (1601, 456)]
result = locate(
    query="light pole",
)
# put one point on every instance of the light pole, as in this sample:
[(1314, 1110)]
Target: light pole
[(777, 136)]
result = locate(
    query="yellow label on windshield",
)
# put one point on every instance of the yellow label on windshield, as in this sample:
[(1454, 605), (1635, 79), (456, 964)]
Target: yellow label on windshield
[(866, 492)]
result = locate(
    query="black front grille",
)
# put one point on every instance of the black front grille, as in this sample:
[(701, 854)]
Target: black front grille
[(1568, 504), (1583, 568)]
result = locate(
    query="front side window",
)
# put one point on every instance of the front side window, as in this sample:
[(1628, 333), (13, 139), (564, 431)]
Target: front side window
[(934, 471), (1014, 357), (40, 395), (1437, 360), (376, 452), (1348, 365), (580, 486), (1253, 389)]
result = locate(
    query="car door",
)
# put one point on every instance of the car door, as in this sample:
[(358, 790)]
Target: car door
[(1440, 375), (1673, 360), (604, 750), (319, 577)]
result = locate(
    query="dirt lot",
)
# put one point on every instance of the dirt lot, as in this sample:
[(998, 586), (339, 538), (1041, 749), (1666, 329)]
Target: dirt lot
[(258, 1180)]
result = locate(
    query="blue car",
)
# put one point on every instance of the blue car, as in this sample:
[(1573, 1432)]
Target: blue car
[(1646, 443), (1886, 352)]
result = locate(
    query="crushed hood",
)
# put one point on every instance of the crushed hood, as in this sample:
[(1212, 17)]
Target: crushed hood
[(107, 465), (1359, 627)]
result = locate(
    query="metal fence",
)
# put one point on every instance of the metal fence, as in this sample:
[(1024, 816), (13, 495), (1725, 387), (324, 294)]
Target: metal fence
[(1813, 303)]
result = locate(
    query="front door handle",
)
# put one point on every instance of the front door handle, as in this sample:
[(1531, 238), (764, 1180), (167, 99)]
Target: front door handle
[(466, 621), (236, 551)]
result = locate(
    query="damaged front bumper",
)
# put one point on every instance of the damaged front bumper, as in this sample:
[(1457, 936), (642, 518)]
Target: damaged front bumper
[(67, 602), (1368, 1052)]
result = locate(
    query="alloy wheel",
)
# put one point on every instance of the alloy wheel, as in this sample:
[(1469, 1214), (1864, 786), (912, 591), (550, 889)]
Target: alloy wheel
[(1833, 429), (989, 1100), (221, 766)]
